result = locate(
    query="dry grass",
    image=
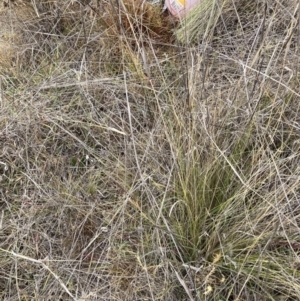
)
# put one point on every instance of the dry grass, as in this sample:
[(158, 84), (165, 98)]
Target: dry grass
[(137, 168)]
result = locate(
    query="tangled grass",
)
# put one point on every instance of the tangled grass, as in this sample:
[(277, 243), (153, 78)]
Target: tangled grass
[(142, 159)]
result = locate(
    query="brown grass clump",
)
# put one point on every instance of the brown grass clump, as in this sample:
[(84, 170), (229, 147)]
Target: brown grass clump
[(13, 16), (140, 20), (138, 33)]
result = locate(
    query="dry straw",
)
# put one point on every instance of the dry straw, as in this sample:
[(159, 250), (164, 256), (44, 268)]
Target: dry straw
[(199, 21), (12, 23)]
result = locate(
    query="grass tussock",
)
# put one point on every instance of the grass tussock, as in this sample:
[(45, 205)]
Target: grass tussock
[(137, 166)]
